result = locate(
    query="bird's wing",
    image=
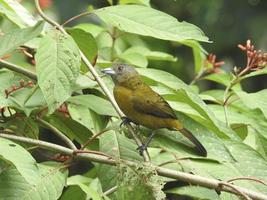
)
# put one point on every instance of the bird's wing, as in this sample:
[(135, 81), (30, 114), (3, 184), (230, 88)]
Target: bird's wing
[(149, 102)]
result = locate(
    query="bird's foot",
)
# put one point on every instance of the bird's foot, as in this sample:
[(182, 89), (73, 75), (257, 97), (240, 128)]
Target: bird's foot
[(125, 121), (141, 149)]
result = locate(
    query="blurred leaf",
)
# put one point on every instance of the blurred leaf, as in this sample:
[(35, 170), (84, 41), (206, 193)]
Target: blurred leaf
[(118, 146), (73, 192), (152, 55), (255, 73), (134, 59), (73, 129), (85, 41), (157, 24), (57, 67), (142, 2), (48, 187), (196, 192), (16, 13), (84, 82), (143, 180), (198, 53), (13, 39), (255, 100), (21, 159), (93, 29), (22, 126), (82, 115), (95, 103), (221, 78)]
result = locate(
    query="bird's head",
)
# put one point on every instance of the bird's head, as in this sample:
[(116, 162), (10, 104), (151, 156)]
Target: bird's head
[(121, 72)]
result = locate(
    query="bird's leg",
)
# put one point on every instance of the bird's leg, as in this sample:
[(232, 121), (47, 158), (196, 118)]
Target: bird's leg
[(125, 120), (145, 145)]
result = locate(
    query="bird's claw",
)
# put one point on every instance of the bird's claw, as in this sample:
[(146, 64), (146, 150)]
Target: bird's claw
[(125, 121), (141, 149)]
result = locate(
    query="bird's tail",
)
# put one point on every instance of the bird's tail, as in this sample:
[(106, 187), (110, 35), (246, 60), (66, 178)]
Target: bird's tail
[(199, 147)]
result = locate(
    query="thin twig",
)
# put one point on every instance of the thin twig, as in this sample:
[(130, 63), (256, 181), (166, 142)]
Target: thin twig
[(97, 78), (221, 184), (75, 17), (169, 173), (18, 69), (110, 191), (92, 138), (57, 132), (247, 178)]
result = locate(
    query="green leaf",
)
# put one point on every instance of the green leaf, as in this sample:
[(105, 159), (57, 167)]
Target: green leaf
[(25, 164), (95, 103), (196, 192), (85, 185), (23, 126), (151, 55), (156, 24), (85, 41), (93, 29), (73, 192), (134, 59), (222, 78), (255, 100), (57, 66), (48, 187), (16, 13), (198, 53), (142, 2), (13, 39), (73, 129)]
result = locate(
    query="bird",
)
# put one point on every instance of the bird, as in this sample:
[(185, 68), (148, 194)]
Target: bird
[(143, 106)]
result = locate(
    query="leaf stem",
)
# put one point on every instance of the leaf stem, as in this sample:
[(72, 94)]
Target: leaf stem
[(182, 176), (18, 69), (97, 78)]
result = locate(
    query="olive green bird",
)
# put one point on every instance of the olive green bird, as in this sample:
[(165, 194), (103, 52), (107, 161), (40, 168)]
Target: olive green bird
[(145, 107)]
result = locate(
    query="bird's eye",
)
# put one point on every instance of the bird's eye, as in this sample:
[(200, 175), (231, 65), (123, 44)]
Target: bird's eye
[(120, 68)]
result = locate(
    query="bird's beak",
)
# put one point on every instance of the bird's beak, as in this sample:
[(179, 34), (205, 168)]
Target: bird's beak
[(108, 71)]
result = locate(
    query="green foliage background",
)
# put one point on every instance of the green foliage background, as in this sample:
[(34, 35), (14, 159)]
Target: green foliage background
[(225, 111)]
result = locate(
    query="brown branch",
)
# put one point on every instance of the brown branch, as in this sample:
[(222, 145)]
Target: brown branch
[(182, 176)]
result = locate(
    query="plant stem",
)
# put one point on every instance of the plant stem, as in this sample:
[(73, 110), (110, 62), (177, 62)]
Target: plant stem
[(97, 78), (182, 176), (57, 132), (18, 69)]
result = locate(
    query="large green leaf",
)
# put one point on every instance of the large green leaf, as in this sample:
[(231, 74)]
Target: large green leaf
[(86, 42), (13, 39), (16, 13), (57, 66), (255, 100), (142, 2), (17, 156), (48, 187), (95, 103), (196, 192), (130, 18)]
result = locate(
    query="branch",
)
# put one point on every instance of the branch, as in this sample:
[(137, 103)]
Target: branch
[(57, 132), (97, 78), (18, 69), (182, 176)]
